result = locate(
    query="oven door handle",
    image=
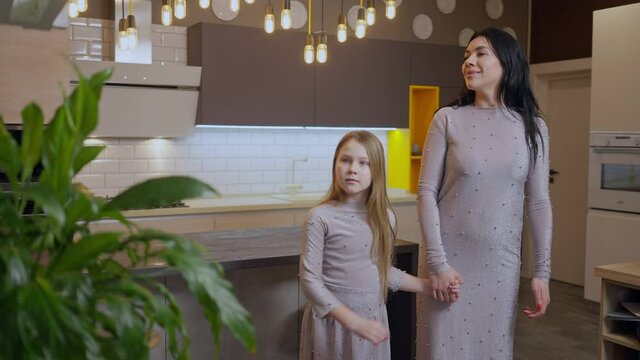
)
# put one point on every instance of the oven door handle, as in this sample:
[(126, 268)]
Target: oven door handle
[(609, 150)]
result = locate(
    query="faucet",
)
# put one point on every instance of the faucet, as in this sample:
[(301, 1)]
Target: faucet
[(293, 187)]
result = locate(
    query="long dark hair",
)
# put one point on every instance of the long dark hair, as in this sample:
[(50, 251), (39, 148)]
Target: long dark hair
[(515, 90)]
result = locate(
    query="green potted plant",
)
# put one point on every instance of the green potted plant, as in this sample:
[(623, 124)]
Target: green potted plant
[(65, 292)]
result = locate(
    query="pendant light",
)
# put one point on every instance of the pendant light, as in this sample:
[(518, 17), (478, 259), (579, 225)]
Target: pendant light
[(308, 47), (204, 3), (361, 24), (269, 19), (166, 14), (342, 24), (285, 15), (72, 8), (180, 9), (321, 50), (390, 9), (371, 12), (123, 39), (234, 5), (83, 5), (132, 31), (249, 1)]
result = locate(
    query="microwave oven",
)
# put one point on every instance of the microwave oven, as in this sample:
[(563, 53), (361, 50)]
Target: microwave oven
[(614, 171)]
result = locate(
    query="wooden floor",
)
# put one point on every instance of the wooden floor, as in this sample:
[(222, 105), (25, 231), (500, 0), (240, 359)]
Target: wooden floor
[(569, 330)]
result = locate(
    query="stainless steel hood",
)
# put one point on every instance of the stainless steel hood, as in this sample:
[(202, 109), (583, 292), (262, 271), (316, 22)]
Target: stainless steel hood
[(38, 14), (146, 100)]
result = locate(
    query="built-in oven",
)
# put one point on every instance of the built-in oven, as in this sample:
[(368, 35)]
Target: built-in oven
[(614, 171)]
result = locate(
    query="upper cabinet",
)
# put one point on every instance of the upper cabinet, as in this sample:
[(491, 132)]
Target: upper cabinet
[(250, 77), (438, 65), (364, 83)]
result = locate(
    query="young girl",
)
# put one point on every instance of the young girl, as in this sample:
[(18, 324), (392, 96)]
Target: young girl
[(345, 266)]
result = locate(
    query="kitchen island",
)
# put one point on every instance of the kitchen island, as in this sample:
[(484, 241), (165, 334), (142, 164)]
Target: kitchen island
[(262, 265)]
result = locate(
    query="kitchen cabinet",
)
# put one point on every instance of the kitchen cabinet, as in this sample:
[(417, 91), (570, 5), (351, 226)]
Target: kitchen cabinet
[(619, 340), (364, 83), (250, 77), (438, 65)]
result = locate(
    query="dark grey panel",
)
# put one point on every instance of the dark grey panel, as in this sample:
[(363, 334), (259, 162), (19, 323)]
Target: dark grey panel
[(436, 64)]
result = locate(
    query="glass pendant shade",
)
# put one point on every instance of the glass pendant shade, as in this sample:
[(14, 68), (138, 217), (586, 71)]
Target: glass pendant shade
[(308, 50), (204, 3), (321, 51), (123, 39), (83, 5), (285, 15), (166, 15), (72, 9), (390, 9), (361, 24), (269, 19), (370, 13), (249, 1), (180, 9), (342, 28), (234, 5), (132, 32)]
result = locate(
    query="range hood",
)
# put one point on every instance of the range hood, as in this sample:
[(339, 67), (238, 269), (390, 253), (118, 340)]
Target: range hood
[(37, 14), (142, 100)]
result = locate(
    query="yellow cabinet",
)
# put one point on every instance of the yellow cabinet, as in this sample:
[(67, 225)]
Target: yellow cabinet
[(405, 145)]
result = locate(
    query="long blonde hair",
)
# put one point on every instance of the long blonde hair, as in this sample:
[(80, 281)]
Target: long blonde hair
[(378, 206)]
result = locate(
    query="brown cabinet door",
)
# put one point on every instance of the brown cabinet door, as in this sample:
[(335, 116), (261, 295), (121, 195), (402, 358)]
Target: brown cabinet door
[(364, 83), (250, 77), (436, 65)]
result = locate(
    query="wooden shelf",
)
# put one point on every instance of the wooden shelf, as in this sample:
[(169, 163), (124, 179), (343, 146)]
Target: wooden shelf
[(623, 339), (416, 157)]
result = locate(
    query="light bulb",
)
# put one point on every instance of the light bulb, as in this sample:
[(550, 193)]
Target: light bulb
[(249, 1), (361, 24), (180, 9), (321, 50), (308, 50), (165, 15), (285, 19), (342, 33), (83, 5), (371, 12), (132, 32), (72, 8), (204, 3), (123, 39), (234, 5), (390, 9), (269, 23)]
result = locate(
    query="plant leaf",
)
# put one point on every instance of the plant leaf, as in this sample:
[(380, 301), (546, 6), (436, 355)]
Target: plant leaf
[(44, 197), (32, 120), (9, 154), (160, 192), (86, 155), (78, 255)]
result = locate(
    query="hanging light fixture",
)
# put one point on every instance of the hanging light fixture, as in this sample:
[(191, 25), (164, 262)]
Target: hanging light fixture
[(269, 19), (390, 9), (371, 12), (83, 5), (342, 24), (204, 3), (321, 50), (166, 15), (123, 39), (308, 47), (234, 5), (180, 9), (285, 15), (361, 24), (249, 1), (72, 8), (132, 31)]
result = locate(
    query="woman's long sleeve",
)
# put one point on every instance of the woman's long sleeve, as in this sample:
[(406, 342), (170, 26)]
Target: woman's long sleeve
[(431, 172), (539, 206)]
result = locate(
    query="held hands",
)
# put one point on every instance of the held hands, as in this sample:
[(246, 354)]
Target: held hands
[(540, 289), (445, 286), (373, 331)]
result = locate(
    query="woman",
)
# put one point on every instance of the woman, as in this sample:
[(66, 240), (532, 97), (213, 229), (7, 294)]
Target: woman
[(485, 154)]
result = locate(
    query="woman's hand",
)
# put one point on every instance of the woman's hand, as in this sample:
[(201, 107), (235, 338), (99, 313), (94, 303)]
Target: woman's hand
[(441, 285), (540, 289), (373, 331)]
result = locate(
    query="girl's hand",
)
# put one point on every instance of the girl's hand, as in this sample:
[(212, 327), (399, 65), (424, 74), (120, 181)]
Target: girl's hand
[(441, 282), (454, 288), (373, 331), (540, 289)]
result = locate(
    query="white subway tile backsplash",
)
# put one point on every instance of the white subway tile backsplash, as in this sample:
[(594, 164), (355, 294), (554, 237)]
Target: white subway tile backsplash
[(194, 139), (206, 177), (236, 138), (181, 56), (213, 138), (105, 167), (186, 166), (200, 151), (156, 39), (77, 47), (86, 33), (225, 151), (263, 164), (92, 181), (262, 188), (262, 138), (239, 164), (163, 54), (250, 151), (119, 152), (214, 165), (162, 165), (134, 166), (178, 41), (286, 138), (95, 48), (250, 177), (239, 189), (119, 180), (138, 178), (226, 177), (180, 29), (275, 177)]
